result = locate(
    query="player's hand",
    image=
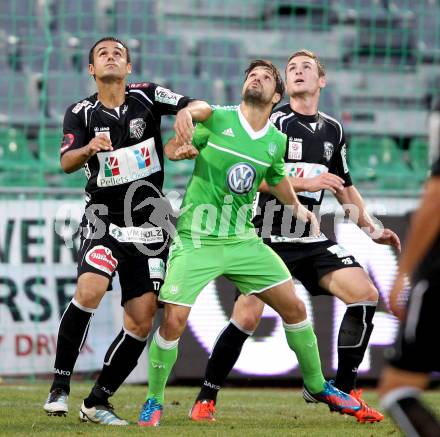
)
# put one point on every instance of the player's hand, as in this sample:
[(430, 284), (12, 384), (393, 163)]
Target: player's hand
[(184, 126), (303, 214), (325, 181), (187, 151), (101, 143), (397, 304), (388, 237)]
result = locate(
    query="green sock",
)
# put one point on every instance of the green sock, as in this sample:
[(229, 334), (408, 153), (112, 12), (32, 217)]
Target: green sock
[(302, 340), (160, 364)]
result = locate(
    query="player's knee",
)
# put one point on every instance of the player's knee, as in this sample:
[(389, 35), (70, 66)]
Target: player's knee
[(140, 328), (368, 293), (172, 326), (248, 322), (88, 296), (295, 312)]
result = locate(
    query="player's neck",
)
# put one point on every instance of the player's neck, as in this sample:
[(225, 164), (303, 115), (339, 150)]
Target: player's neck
[(306, 105), (111, 95), (256, 116)]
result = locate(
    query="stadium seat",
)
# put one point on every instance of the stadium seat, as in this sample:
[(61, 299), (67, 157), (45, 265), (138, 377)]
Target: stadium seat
[(136, 17), (177, 173), (64, 89), (392, 173), (165, 57), (362, 158), (19, 99), (49, 149), (419, 158), (297, 14), (219, 58), (14, 152)]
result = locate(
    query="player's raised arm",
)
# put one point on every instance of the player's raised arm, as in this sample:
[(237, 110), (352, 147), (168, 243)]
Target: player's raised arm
[(283, 191)]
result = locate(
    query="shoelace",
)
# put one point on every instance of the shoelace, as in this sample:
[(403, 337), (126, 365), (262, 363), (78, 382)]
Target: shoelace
[(57, 394), (150, 407), (207, 408)]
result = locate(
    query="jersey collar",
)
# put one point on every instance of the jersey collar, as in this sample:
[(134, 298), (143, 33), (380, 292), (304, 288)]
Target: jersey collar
[(255, 135)]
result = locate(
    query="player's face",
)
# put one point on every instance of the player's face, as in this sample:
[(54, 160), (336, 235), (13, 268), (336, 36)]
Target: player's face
[(110, 61), (302, 77), (259, 87)]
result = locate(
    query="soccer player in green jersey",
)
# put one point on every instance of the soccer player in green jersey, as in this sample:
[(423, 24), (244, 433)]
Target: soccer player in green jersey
[(236, 148)]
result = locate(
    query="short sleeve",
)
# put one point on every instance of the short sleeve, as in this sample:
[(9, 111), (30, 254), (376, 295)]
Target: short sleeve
[(200, 136), (203, 130), (276, 171), (73, 131), (166, 101)]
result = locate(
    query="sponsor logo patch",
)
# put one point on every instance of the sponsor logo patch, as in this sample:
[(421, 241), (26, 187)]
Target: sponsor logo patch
[(102, 259), (164, 95), (137, 128), (127, 164), (339, 251), (133, 234), (157, 268), (139, 85), (241, 177), (275, 116), (68, 140), (81, 105), (306, 170), (295, 148), (102, 131)]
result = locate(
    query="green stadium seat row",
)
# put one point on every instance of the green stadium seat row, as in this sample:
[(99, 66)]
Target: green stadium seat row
[(381, 161)]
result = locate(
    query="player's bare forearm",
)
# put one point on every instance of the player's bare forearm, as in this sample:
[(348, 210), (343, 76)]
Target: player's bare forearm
[(354, 207), (283, 191), (200, 110), (424, 228), (73, 160), (298, 184)]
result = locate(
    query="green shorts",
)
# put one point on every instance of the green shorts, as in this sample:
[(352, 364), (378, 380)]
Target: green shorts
[(250, 264)]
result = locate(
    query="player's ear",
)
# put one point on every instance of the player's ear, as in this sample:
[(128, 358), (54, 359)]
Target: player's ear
[(322, 82), (276, 98), (91, 69), (129, 68)]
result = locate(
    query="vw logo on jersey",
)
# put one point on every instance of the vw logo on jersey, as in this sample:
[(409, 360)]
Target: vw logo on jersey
[(241, 178)]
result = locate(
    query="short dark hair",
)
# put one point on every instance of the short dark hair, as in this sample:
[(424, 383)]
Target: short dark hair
[(309, 54), (109, 38), (279, 84)]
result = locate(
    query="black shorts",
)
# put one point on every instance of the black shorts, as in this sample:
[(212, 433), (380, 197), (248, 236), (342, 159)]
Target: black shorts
[(309, 262), (104, 250), (415, 349)]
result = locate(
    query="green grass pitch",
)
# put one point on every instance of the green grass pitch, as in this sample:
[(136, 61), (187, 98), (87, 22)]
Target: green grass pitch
[(241, 412)]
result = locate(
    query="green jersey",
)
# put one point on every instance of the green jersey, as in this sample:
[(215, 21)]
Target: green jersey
[(232, 162)]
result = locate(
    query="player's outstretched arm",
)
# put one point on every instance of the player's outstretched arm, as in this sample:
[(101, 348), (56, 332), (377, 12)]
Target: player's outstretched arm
[(176, 152), (354, 207), (424, 228), (283, 191), (197, 110), (74, 159)]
